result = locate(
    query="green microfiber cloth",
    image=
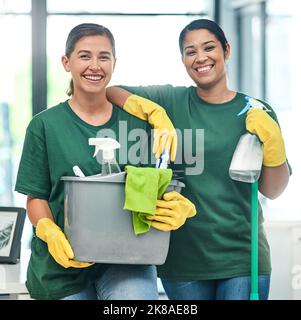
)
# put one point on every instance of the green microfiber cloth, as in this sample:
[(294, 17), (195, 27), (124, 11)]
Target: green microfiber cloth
[(143, 187)]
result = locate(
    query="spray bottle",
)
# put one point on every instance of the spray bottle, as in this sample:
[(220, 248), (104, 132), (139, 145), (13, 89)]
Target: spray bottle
[(109, 164), (247, 158)]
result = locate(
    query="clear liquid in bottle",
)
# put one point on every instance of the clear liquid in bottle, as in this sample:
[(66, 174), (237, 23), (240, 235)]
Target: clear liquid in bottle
[(249, 176), (247, 159), (110, 167)]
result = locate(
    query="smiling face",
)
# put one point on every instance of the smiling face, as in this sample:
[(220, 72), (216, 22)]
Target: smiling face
[(204, 58), (91, 64)]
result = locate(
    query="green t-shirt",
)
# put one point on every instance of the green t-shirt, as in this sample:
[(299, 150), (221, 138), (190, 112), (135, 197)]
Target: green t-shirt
[(56, 140), (216, 243)]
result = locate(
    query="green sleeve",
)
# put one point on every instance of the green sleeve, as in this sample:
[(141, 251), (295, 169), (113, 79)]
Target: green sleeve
[(33, 174)]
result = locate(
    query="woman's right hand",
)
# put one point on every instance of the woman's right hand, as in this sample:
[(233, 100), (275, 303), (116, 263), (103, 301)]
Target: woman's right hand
[(58, 246), (165, 136)]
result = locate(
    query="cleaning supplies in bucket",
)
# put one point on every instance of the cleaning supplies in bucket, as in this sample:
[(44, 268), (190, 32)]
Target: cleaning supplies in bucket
[(109, 164), (100, 230), (78, 172), (97, 225), (162, 162), (142, 189)]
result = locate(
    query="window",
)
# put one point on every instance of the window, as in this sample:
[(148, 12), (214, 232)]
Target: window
[(146, 36), (15, 96), (15, 6), (283, 93), (129, 6)]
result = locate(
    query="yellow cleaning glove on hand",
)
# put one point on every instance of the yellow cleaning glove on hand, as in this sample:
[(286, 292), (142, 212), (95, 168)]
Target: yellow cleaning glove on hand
[(58, 246), (165, 136), (172, 212), (268, 131)]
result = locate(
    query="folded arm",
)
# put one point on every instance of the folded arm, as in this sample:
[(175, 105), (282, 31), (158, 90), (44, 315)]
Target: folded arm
[(165, 136), (117, 95)]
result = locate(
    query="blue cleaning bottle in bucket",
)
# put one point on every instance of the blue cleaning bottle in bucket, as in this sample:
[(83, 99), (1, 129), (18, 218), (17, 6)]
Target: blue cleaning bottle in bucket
[(162, 162)]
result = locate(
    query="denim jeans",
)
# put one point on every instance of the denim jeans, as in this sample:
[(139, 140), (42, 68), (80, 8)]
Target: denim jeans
[(237, 288), (122, 282)]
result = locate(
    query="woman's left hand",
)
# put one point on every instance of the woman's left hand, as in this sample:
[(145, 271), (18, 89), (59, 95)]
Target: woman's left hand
[(268, 131), (172, 212)]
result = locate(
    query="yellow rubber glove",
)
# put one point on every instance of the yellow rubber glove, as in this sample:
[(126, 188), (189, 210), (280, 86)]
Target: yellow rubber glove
[(58, 246), (165, 136), (268, 131), (172, 212)]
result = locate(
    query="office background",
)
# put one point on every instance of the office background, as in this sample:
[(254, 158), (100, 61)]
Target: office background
[(264, 63)]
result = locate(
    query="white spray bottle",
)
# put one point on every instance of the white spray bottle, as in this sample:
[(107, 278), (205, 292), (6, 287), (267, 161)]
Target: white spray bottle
[(109, 164), (247, 158)]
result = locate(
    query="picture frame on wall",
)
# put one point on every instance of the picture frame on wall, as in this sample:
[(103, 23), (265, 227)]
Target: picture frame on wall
[(11, 228)]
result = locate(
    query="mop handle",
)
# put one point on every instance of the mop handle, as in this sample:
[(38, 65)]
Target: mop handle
[(254, 241)]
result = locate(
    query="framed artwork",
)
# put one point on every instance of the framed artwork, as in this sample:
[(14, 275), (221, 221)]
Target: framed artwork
[(11, 227)]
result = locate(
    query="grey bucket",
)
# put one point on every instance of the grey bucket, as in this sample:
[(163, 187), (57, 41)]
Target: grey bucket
[(99, 230)]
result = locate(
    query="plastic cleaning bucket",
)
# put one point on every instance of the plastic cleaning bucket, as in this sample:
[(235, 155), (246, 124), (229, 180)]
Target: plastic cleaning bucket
[(99, 230)]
